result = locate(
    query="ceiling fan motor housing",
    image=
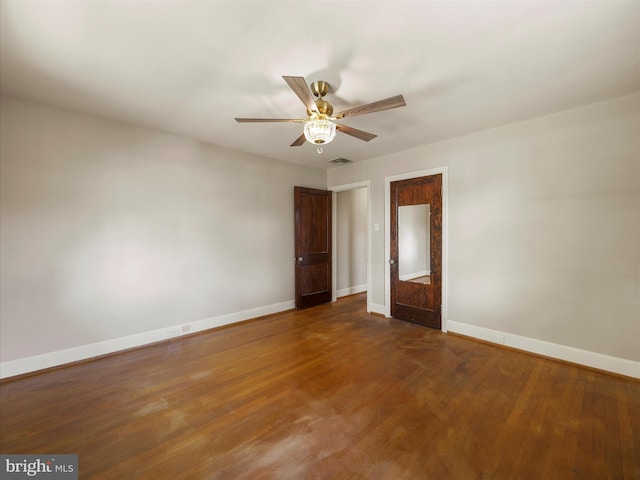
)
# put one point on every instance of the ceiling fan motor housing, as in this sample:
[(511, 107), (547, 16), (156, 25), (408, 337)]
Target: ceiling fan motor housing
[(325, 109), (320, 88)]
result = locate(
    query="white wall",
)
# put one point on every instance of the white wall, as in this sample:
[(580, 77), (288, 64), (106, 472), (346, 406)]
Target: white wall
[(110, 230), (544, 227), (351, 241)]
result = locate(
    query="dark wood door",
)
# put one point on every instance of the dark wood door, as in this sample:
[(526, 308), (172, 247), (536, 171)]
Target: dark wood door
[(312, 246), (417, 296)]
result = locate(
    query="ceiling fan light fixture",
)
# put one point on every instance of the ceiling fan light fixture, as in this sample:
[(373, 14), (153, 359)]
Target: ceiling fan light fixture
[(319, 130), (319, 126)]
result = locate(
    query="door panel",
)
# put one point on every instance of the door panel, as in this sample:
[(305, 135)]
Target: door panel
[(417, 298), (312, 246)]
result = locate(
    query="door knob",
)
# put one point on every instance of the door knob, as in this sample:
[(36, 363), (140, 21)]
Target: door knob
[(300, 259), (392, 261)]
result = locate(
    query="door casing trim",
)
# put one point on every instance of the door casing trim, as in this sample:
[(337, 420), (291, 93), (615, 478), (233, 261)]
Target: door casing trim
[(445, 235)]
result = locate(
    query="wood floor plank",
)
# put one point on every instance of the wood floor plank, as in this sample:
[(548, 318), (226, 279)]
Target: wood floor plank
[(565, 420), (329, 392), (629, 414)]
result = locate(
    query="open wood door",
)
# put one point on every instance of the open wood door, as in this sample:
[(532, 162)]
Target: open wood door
[(312, 246)]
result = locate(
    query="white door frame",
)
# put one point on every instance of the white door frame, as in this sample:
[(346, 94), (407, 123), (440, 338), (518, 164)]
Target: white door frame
[(445, 235), (343, 188)]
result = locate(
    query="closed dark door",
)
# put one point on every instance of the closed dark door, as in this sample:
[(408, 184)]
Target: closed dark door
[(312, 246), (416, 250)]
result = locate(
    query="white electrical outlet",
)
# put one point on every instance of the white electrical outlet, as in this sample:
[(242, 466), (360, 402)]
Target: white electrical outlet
[(185, 329), (497, 338)]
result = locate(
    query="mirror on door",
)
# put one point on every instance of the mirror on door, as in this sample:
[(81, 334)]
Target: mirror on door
[(414, 252)]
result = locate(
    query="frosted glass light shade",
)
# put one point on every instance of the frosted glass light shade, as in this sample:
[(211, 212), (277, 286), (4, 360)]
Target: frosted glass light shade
[(319, 131)]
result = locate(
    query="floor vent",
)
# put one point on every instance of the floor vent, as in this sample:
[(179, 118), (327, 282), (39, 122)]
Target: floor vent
[(340, 161)]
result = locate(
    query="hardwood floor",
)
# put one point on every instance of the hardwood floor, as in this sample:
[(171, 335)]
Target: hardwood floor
[(327, 393)]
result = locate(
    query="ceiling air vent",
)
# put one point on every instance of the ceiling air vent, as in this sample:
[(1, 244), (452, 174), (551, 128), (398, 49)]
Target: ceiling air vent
[(340, 161)]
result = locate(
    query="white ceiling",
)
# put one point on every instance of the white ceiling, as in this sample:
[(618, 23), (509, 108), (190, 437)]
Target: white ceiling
[(190, 67)]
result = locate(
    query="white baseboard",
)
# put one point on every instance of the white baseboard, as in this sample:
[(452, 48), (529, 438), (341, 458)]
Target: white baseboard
[(53, 359), (554, 350), (377, 308), (83, 352), (343, 292)]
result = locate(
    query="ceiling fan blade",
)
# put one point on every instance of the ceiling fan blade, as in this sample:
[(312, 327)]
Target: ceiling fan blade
[(300, 88), (386, 104), (354, 132), (246, 120), (299, 141)]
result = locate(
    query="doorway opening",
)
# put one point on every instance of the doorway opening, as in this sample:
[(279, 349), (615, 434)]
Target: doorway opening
[(352, 240)]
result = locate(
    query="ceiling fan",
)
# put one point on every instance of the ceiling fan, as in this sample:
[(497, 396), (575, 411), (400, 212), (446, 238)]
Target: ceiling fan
[(319, 126)]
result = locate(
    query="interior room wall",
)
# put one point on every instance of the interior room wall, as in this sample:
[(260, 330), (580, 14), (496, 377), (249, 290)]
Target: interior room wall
[(351, 241), (543, 226), (110, 230)]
